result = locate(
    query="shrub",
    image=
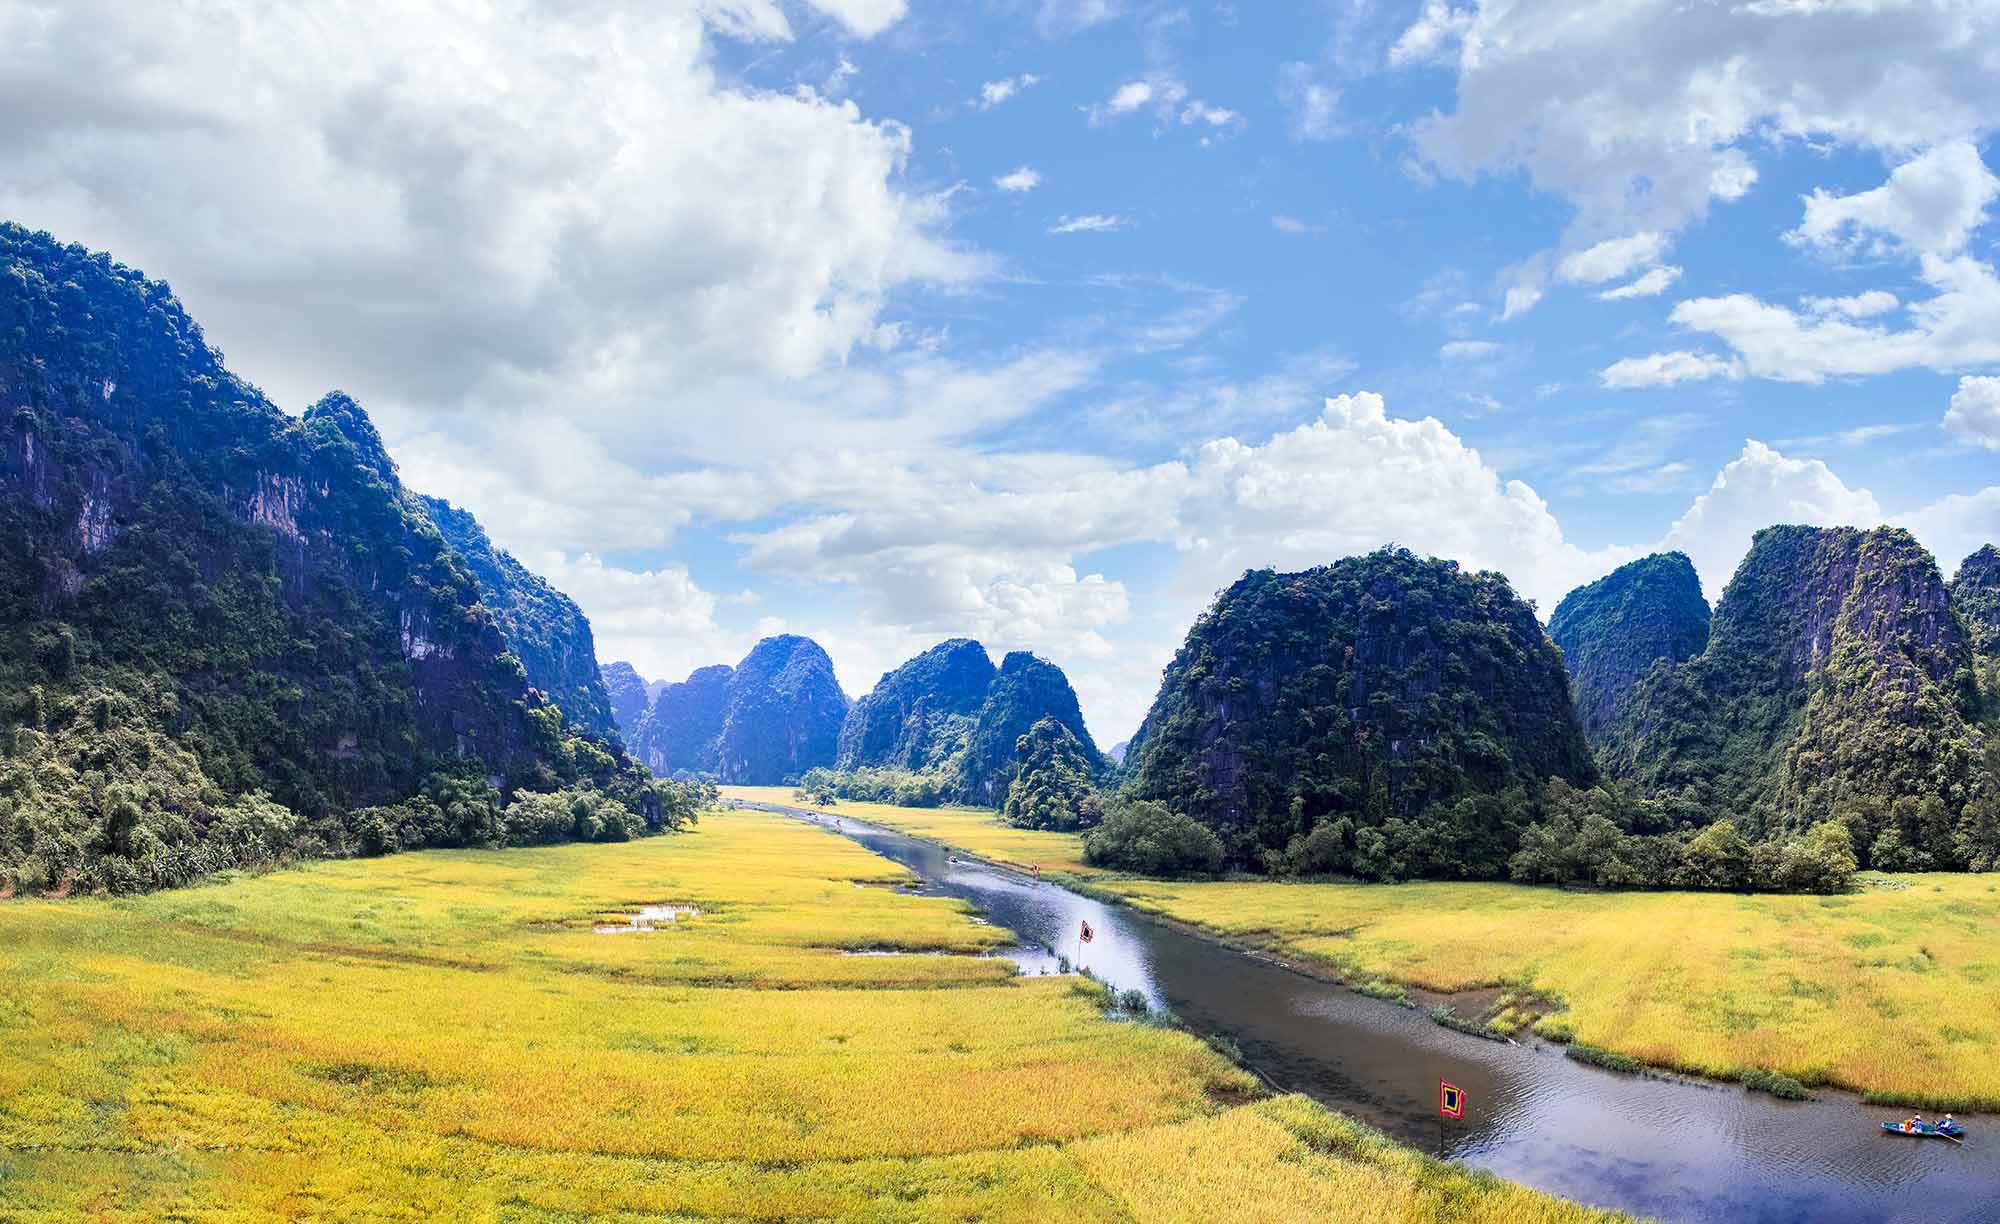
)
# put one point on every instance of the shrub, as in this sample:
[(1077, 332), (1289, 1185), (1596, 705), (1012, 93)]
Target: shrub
[(1144, 836)]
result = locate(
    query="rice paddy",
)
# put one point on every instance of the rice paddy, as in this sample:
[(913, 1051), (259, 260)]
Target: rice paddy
[(1893, 990), (447, 1036)]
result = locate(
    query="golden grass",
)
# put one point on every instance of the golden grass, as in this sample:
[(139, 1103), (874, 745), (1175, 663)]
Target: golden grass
[(1893, 990), (441, 1036), (977, 831)]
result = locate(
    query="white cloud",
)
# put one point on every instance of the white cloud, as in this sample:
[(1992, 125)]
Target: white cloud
[(1642, 117), (1757, 489), (1129, 97), (1666, 369), (1957, 526), (1313, 108), (1088, 223), (1024, 179), (1058, 18), (1611, 259), (1652, 283), (1525, 284), (1974, 414), (1930, 204), (661, 621), (1433, 33), (866, 18), (1292, 225), (1958, 326), (993, 93), (1858, 306), (1199, 112), (1469, 350)]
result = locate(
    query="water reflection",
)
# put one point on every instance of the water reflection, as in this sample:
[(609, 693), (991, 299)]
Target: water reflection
[(1673, 1150)]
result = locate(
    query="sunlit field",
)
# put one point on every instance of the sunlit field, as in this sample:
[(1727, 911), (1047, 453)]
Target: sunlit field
[(1893, 990), (444, 1036), (977, 831)]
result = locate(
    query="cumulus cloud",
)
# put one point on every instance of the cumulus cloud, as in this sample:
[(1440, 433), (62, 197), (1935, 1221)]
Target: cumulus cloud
[(1027, 178), (1758, 488), (1128, 97), (1856, 306), (1540, 92), (1930, 204), (1666, 369), (1974, 414)]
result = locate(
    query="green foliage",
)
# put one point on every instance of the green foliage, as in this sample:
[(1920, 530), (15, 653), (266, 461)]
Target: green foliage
[(1026, 690), (1785, 1087), (920, 714), (228, 637), (1613, 630), (1383, 688), (1975, 595), (1837, 681), (1148, 838), (1052, 786), (867, 785), (542, 626)]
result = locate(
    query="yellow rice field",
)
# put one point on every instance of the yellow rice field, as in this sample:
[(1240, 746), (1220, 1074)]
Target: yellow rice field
[(1893, 990), (443, 1036)]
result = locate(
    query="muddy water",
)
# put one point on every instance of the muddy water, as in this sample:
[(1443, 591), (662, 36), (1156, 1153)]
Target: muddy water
[(1662, 1148)]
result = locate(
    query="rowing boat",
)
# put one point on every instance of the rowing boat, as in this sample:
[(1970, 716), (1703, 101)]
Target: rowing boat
[(1924, 1130)]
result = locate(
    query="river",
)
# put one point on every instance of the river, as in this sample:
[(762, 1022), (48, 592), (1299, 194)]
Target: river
[(1664, 1148)]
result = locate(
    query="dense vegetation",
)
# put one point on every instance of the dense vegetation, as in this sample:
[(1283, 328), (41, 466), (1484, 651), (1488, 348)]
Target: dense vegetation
[(920, 714), (1053, 787), (770, 719), (543, 627), (1149, 838), (228, 635), (626, 690), (1837, 683), (1975, 593), (945, 726), (1613, 630), (1401, 713)]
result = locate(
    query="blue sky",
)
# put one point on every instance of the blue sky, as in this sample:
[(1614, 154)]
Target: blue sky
[(888, 320)]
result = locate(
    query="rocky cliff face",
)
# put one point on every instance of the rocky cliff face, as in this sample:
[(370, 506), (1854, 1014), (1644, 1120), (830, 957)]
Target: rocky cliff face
[(183, 562), (920, 713), (1836, 673), (1612, 632), (1026, 690), (678, 732), (543, 627), (1975, 593), (1365, 691), (629, 694)]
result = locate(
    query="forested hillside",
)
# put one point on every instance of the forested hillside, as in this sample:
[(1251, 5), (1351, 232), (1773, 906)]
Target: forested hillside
[(1838, 679), (1612, 631), (228, 634), (1975, 593), (945, 728), (543, 627), (626, 690), (1409, 709)]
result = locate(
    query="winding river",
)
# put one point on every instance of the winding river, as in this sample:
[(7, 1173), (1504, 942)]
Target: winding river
[(1664, 1148)]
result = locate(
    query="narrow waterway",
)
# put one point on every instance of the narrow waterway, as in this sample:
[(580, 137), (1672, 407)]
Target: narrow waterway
[(1664, 1148)]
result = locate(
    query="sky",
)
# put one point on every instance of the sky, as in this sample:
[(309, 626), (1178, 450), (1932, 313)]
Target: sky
[(887, 321)]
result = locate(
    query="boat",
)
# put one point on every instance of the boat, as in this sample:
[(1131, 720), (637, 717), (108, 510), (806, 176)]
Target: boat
[(1925, 1130)]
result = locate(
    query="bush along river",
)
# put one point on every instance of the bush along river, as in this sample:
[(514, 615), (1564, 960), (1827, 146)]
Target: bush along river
[(1663, 1147)]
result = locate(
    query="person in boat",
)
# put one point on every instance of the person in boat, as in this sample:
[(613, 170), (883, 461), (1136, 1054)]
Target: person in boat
[(1947, 1124), (1916, 1123)]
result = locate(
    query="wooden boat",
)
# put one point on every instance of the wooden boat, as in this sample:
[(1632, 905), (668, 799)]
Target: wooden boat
[(1925, 1130)]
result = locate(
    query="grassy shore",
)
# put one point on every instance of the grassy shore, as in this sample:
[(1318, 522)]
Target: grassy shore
[(1893, 990), (444, 1036)]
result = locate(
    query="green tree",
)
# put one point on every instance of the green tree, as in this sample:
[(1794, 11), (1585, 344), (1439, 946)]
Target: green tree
[(1146, 837), (1052, 786)]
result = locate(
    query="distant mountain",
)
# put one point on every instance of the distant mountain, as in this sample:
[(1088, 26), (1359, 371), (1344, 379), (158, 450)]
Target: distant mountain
[(764, 722), (921, 713), (1612, 631), (223, 629), (783, 713), (1117, 751), (1837, 677), (1387, 695), (543, 627), (1975, 593), (629, 694), (1026, 690)]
